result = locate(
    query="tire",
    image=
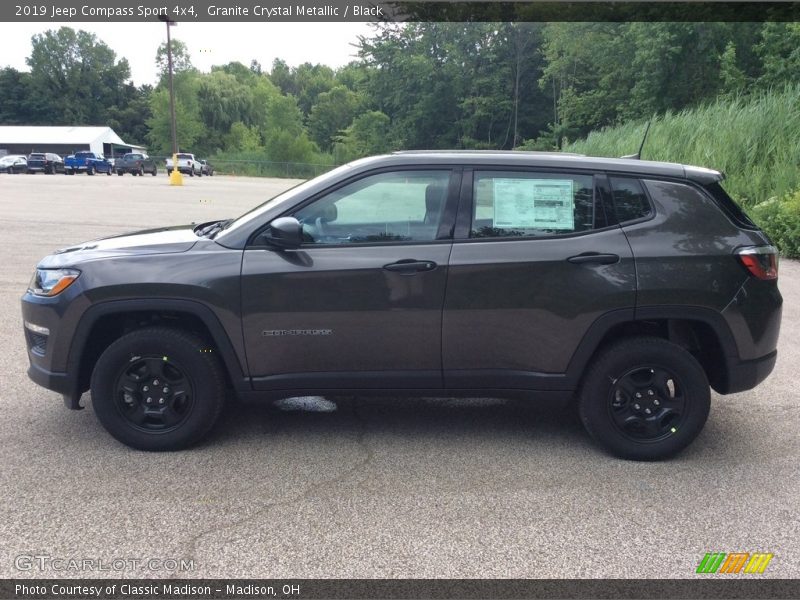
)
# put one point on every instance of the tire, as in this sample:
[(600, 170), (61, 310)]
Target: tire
[(136, 362), (110, 170), (10, 171), (155, 171), (120, 173), (141, 172), (191, 172), (90, 170), (671, 385)]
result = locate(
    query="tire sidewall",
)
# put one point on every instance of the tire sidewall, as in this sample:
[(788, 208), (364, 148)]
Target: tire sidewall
[(619, 360), (196, 367)]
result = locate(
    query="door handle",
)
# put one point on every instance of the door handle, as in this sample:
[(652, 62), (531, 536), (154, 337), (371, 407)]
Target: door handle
[(410, 266), (594, 257)]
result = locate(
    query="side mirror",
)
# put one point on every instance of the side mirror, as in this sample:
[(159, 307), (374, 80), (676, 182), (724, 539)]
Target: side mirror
[(285, 232)]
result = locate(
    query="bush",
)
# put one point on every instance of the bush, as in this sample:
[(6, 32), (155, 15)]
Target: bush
[(780, 220)]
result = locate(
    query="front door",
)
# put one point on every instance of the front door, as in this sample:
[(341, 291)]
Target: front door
[(359, 305)]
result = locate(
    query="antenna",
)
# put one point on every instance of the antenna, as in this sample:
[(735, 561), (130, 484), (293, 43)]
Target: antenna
[(638, 155)]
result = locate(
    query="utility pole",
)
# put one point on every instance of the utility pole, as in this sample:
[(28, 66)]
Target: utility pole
[(175, 178)]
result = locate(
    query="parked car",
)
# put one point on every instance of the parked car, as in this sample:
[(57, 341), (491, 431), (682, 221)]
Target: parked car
[(206, 168), (630, 285), (13, 163), (135, 163), (187, 164), (46, 162), (87, 162)]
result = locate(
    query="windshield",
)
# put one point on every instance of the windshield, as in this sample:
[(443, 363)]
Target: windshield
[(184, 156), (84, 155), (37, 156), (283, 197), (132, 157)]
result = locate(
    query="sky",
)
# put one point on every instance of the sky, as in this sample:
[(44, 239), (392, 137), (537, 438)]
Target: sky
[(209, 43)]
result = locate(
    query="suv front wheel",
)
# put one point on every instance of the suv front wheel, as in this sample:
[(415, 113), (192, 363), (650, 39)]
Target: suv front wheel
[(644, 398), (158, 389)]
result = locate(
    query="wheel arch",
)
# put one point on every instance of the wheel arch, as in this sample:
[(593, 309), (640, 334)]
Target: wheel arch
[(103, 323), (701, 331)]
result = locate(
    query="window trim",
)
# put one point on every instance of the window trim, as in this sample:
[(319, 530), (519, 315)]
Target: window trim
[(445, 228), (465, 212)]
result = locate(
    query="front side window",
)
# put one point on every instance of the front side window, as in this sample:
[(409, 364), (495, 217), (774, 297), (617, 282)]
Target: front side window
[(528, 204), (399, 206)]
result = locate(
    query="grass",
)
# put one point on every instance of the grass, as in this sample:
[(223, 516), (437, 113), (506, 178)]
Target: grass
[(754, 140)]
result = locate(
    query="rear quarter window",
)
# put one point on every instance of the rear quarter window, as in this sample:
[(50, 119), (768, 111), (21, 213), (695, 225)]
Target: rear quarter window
[(630, 200)]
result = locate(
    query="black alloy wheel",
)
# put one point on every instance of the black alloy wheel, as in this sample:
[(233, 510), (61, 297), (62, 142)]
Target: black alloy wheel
[(154, 394), (647, 403), (644, 398), (158, 388)]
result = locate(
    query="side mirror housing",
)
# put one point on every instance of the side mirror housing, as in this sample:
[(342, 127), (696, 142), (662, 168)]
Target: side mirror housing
[(285, 232)]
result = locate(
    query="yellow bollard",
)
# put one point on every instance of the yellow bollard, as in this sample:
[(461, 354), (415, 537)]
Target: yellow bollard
[(176, 177)]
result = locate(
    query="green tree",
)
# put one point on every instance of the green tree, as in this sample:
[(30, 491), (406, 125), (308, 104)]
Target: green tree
[(181, 59), (733, 78), (333, 111), (369, 134), (779, 51), (18, 105), (189, 126), (76, 76)]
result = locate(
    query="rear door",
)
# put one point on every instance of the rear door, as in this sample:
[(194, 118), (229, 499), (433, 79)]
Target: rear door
[(535, 263)]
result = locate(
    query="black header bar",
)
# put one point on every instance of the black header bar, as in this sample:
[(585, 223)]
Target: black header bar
[(265, 11)]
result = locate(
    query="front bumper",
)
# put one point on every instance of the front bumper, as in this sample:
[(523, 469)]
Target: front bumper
[(62, 383), (47, 326)]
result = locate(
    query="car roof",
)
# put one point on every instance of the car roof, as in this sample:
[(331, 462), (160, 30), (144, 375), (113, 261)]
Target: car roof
[(558, 160)]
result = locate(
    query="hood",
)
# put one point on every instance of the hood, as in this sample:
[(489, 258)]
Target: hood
[(151, 241)]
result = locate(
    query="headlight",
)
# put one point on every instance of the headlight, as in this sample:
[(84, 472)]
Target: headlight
[(51, 282)]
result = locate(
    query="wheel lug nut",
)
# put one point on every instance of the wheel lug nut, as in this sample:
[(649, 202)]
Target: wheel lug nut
[(656, 402), (647, 411), (165, 390), (149, 400), (161, 401), (636, 406), (155, 381), (649, 392), (145, 388), (638, 395)]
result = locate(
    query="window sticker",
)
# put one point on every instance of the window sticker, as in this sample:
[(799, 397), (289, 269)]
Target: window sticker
[(534, 204)]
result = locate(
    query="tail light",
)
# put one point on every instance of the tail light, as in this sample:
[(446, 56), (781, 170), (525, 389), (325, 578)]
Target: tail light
[(760, 261)]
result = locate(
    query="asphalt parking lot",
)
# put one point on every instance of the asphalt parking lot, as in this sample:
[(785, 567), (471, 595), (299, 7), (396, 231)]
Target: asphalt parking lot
[(391, 488)]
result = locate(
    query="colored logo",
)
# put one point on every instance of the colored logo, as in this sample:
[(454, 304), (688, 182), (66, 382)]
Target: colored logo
[(734, 562)]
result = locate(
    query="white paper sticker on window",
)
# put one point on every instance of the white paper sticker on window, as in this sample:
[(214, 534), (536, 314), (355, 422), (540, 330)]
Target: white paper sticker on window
[(534, 204)]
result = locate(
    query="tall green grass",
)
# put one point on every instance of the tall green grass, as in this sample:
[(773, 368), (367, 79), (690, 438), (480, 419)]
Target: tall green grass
[(754, 140)]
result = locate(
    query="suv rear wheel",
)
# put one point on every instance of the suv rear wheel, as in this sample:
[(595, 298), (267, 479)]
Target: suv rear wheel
[(644, 398), (158, 389)]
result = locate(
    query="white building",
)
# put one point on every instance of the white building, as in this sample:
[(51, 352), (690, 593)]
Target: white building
[(24, 139)]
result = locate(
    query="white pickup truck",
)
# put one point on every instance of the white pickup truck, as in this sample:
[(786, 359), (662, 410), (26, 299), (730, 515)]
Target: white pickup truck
[(187, 164)]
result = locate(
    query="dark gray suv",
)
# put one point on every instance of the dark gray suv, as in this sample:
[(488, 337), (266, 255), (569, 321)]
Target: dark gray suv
[(631, 285)]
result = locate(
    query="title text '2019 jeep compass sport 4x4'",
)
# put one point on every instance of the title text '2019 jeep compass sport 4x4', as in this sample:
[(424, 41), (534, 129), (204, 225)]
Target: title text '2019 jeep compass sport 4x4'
[(634, 285)]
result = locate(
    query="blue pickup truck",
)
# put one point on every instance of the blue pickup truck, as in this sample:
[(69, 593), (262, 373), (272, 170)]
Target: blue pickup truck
[(87, 162)]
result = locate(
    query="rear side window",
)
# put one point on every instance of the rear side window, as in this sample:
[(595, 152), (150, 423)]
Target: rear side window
[(630, 199), (531, 204)]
